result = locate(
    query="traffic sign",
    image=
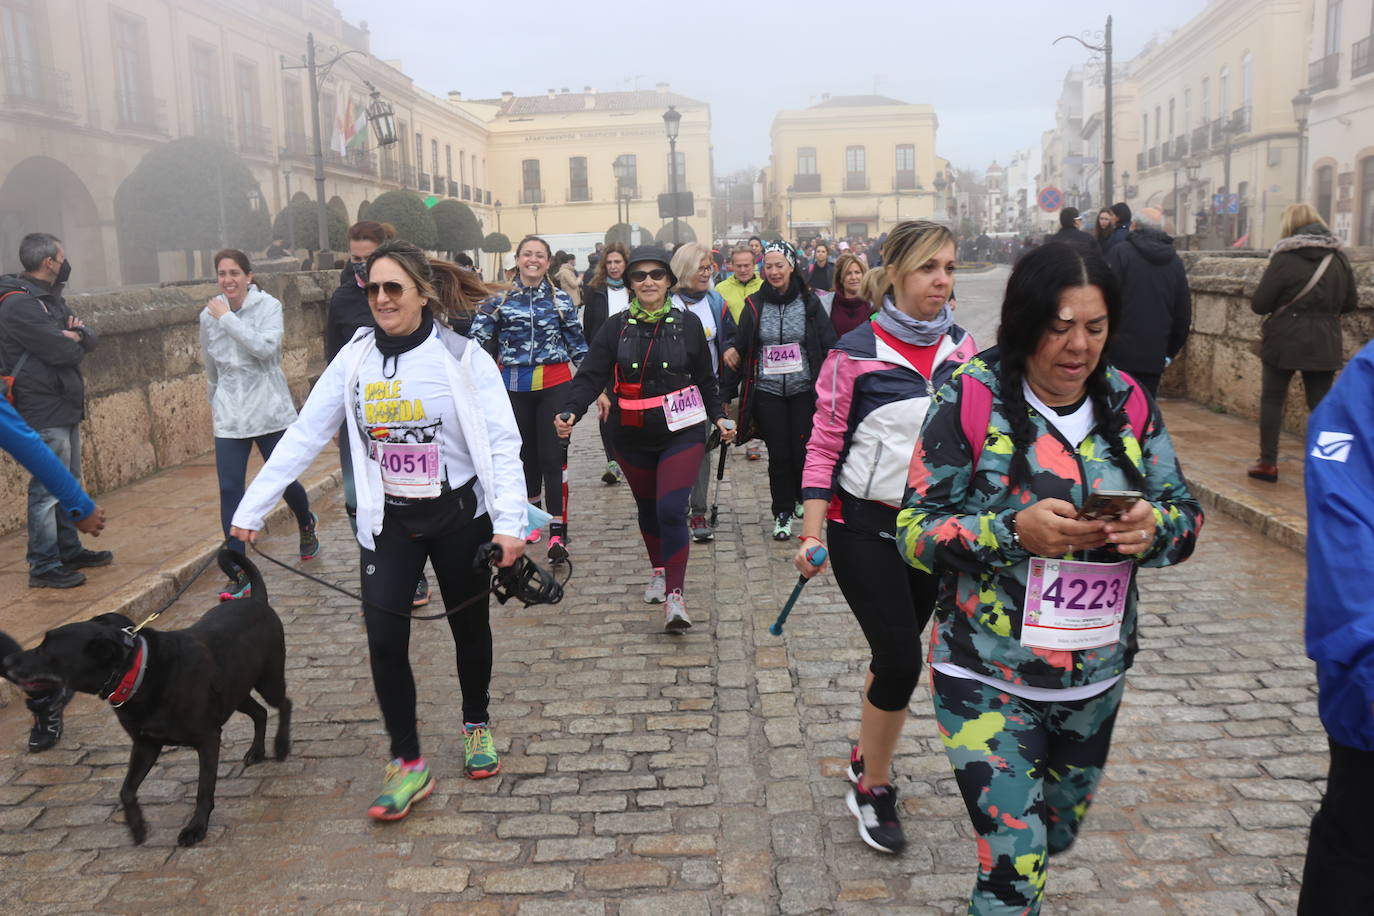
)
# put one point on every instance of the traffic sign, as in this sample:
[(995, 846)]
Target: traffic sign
[(1050, 199)]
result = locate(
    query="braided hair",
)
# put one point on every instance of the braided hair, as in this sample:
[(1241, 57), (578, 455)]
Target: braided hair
[(1029, 307)]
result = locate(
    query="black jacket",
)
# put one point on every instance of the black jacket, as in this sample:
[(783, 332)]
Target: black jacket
[(1307, 335), (594, 309), (820, 338), (680, 357), (1156, 304), (348, 311), (49, 390), (822, 277), (1078, 239)]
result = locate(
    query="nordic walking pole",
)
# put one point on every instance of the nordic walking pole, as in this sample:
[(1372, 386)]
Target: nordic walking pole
[(557, 552), (720, 473), (815, 556)]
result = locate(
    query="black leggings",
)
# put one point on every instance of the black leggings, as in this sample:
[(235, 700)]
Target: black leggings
[(541, 450), (892, 602), (231, 464), (410, 535), (1273, 394), (785, 425)]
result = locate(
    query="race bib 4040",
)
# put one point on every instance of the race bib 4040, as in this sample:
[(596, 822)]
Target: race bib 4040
[(780, 359), (684, 408), (1074, 605)]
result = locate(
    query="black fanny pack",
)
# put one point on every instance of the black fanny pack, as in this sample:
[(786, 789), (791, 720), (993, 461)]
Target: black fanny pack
[(443, 514), (867, 515)]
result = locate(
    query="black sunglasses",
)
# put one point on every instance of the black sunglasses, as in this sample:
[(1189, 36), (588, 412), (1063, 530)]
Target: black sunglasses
[(392, 288), (639, 276)]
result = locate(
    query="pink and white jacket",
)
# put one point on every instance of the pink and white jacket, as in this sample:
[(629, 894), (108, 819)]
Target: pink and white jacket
[(870, 405)]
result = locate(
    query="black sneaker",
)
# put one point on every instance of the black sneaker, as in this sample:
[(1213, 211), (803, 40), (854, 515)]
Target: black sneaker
[(47, 720), (89, 558), (57, 577), (855, 770), (876, 810), (421, 592)]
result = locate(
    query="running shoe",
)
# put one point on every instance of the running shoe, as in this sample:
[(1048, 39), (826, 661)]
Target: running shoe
[(798, 510), (557, 551), (535, 536), (612, 475), (752, 452), (402, 787), (480, 759), (675, 618), (701, 532), (876, 811), (310, 542), (655, 591), (782, 526), (855, 770), (238, 587), (47, 720), (421, 592)]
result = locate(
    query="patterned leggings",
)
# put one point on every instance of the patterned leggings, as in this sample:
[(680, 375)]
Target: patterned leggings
[(661, 480), (1027, 770)]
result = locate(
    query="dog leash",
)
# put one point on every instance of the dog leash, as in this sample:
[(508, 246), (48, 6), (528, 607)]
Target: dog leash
[(176, 596), (507, 583)]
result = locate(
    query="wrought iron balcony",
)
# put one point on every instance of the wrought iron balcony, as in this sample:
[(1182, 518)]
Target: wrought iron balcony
[(905, 181), (806, 183), (40, 89), (1219, 130), (424, 181), (140, 112), (390, 171), (1153, 159), (1323, 74), (453, 188), (1362, 57), (467, 192), (856, 181), (579, 193), (1240, 120), (532, 195), (211, 125), (1140, 159), (408, 176), (1201, 140), (255, 140), (488, 195)]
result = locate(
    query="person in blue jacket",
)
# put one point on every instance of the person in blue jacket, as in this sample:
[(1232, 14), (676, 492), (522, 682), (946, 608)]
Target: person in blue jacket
[(1340, 639), (19, 440)]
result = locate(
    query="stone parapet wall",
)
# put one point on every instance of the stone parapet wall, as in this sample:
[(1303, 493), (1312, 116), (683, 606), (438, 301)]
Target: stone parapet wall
[(1218, 368), (147, 400)]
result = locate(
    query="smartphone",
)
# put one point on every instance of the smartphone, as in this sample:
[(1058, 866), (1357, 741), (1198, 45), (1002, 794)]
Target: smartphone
[(1109, 505)]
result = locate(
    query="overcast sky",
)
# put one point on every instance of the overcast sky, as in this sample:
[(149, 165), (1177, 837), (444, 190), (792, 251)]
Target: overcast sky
[(987, 67)]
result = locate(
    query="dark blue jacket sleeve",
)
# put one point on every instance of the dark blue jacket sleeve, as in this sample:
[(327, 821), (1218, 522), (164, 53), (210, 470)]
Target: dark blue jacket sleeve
[(1340, 553), (19, 439)]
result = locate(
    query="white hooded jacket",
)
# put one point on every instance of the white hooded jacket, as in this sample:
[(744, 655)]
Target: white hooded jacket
[(248, 392)]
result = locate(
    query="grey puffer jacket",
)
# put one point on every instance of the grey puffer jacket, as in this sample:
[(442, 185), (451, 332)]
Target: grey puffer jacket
[(1307, 334), (248, 391)]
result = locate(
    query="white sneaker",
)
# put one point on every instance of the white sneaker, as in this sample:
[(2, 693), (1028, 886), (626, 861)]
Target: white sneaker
[(654, 592), (675, 618)]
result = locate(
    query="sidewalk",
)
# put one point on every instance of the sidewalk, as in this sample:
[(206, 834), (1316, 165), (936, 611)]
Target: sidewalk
[(1216, 448), (161, 529)]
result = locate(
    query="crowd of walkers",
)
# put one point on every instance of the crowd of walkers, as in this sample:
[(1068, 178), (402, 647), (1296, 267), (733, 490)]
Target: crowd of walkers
[(1008, 494)]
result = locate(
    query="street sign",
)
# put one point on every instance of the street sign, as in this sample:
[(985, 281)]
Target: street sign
[(431, 200), (1233, 204), (685, 205), (1050, 199)]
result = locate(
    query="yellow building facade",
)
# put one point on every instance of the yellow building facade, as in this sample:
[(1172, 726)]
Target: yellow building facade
[(91, 86), (855, 166), (1217, 94)]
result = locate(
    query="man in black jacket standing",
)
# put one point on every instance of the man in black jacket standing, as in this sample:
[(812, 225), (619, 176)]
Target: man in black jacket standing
[(1156, 304), (42, 345), (1071, 234)]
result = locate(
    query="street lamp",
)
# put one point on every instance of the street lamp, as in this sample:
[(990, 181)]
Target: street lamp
[(1302, 104), (672, 120), (940, 184), (498, 215), (834, 226), (1191, 166), (290, 213), (1105, 49), (1128, 191), (622, 177), (534, 209)]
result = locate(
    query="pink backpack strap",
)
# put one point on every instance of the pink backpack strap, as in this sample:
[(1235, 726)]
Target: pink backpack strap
[(1137, 407), (965, 350), (975, 410)]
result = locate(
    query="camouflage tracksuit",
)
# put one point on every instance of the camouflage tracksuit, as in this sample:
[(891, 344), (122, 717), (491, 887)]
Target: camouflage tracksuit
[(1020, 763)]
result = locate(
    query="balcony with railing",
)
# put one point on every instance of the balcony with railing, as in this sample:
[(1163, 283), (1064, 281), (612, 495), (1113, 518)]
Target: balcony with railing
[(1201, 139), (488, 197), (390, 171), (1140, 159), (1219, 131), (532, 195), (905, 180), (1180, 147), (1240, 120), (467, 192), (579, 194), (212, 125), (856, 181), (407, 175), (255, 140), (1362, 57), (453, 189), (1323, 73), (40, 89), (476, 195), (424, 181), (297, 145), (1152, 159), (145, 113), (806, 183)]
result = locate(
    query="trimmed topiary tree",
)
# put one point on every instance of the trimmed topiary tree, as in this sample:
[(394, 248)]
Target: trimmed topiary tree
[(685, 233), (620, 232), (305, 220), (409, 216), (457, 226), (497, 243), (771, 235)]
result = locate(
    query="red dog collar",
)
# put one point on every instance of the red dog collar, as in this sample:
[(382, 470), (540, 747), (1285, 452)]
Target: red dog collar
[(133, 678)]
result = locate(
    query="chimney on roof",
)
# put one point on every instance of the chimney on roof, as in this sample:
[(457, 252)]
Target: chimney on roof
[(662, 88), (507, 96), (455, 96)]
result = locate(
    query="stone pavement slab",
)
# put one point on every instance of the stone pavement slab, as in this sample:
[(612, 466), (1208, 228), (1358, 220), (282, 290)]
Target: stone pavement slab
[(646, 773)]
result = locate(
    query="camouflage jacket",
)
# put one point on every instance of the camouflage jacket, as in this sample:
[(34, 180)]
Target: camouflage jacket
[(954, 522), (533, 328)]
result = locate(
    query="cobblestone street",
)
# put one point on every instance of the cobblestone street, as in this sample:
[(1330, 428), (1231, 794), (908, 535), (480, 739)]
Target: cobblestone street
[(700, 774)]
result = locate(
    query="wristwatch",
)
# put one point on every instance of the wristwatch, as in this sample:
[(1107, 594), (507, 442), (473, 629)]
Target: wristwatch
[(1015, 535)]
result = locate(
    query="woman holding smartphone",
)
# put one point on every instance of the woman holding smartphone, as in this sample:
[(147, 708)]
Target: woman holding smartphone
[(1036, 617)]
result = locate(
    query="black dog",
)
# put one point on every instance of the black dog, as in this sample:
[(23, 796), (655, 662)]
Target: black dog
[(174, 687)]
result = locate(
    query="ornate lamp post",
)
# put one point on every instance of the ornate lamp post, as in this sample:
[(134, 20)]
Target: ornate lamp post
[(1128, 191), (622, 175), (498, 215), (534, 209), (672, 120), (1302, 104), (290, 214)]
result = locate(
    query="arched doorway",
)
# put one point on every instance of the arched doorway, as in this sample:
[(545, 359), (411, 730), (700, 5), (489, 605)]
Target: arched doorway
[(41, 194)]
